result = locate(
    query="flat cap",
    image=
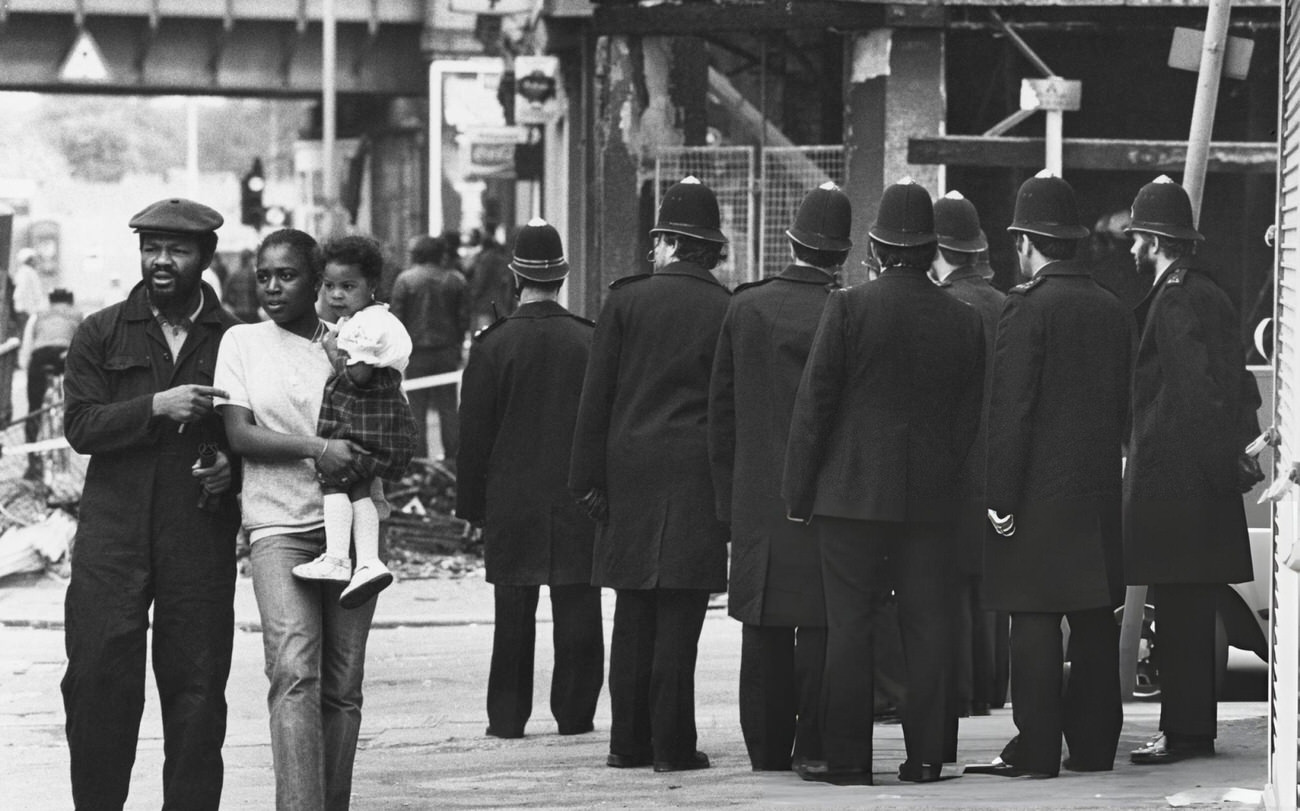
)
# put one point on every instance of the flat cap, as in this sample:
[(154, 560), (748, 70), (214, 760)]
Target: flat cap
[(176, 215)]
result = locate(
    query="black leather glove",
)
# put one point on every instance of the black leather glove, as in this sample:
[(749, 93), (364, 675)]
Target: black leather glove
[(595, 505), (1249, 473)]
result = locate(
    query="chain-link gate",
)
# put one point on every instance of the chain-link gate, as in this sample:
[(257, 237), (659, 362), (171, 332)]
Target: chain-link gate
[(758, 192), (789, 173)]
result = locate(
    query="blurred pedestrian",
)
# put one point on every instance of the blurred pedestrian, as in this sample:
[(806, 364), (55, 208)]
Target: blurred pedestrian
[(775, 587), (138, 401), (886, 412), (45, 343), (956, 269), (519, 402), (275, 374), (1194, 411), (491, 283), (240, 291), (29, 292), (432, 301), (1055, 430), (641, 468)]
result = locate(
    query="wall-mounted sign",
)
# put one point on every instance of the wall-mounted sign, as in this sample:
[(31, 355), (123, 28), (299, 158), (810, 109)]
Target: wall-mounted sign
[(490, 151), (1051, 94), (535, 89)]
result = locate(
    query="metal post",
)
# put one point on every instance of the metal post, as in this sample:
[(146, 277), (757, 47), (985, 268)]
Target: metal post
[(329, 180), (1055, 122), (192, 145), (1207, 96)]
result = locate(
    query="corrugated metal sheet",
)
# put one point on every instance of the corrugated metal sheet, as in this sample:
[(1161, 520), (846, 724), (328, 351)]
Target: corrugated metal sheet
[(1285, 661)]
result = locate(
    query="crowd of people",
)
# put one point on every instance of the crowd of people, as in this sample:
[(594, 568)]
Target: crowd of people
[(920, 441)]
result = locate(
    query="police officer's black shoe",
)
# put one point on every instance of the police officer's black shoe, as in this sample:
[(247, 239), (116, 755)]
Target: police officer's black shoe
[(617, 761), (1165, 748), (913, 772), (820, 772), (696, 760)]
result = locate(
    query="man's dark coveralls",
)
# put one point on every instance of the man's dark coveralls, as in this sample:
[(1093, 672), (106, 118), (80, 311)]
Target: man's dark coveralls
[(519, 400), (642, 439), (974, 631), (1194, 411), (775, 585), (886, 413), (142, 539), (433, 303), (1055, 434)]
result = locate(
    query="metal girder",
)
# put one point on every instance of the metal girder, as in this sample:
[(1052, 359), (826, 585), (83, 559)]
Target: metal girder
[(1242, 157), (225, 54), (692, 19), (399, 12)]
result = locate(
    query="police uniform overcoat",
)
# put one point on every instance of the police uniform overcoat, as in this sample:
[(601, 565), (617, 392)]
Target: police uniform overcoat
[(896, 376), (768, 331), (1057, 418), (1194, 411), (642, 432), (966, 284), (519, 401)]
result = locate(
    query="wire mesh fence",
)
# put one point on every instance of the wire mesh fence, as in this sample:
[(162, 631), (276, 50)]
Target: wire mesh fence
[(789, 173), (730, 173)]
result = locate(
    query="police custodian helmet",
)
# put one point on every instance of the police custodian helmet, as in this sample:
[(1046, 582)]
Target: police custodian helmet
[(539, 254), (689, 208), (1163, 208), (824, 220), (1046, 206), (958, 224), (906, 216)]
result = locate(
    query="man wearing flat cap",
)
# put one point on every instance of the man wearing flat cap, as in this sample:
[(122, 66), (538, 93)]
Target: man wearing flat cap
[(1055, 430), (775, 587), (139, 402), (886, 412), (640, 467), (519, 400), (1194, 411)]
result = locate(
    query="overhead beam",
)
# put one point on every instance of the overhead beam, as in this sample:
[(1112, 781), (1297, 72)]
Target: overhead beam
[(388, 12), (692, 19), (1240, 157)]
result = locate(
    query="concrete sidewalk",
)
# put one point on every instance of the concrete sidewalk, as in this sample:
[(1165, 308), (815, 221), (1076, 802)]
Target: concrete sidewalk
[(422, 743)]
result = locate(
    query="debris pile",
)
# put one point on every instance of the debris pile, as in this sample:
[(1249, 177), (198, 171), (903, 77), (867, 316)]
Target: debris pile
[(422, 536), (33, 537)]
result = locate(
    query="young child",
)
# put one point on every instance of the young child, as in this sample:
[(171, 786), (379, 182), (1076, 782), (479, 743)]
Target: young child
[(363, 403)]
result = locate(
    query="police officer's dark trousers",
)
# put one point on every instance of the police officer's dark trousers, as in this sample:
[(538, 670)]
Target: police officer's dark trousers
[(579, 658), (652, 672), (189, 576), (1089, 714), (1185, 615), (861, 561), (780, 694)]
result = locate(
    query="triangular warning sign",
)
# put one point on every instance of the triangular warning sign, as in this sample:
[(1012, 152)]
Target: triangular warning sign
[(85, 62)]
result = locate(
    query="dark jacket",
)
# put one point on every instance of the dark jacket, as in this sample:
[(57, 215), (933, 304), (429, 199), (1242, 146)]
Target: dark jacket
[(889, 404), (139, 464), (966, 284), (761, 353), (1194, 411), (433, 304), (518, 403), (642, 433), (491, 284), (1056, 431)]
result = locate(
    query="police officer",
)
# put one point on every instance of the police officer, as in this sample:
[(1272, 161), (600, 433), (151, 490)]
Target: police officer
[(1055, 430), (519, 400), (1194, 407), (886, 412), (956, 269), (641, 467), (775, 587), (139, 401)]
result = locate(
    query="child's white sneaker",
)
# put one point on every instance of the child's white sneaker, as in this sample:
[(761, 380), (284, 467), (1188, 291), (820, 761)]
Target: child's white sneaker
[(369, 579), (325, 567)]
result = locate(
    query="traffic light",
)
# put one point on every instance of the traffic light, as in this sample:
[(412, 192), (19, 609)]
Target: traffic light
[(251, 210)]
